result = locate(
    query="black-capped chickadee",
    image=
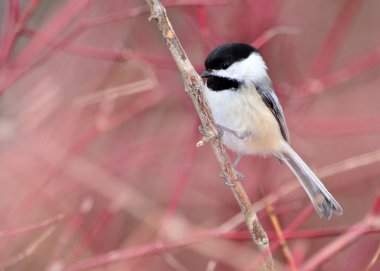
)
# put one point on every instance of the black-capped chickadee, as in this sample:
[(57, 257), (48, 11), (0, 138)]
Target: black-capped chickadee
[(245, 107)]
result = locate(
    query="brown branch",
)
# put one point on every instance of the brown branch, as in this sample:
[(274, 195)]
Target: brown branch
[(193, 87), (280, 235)]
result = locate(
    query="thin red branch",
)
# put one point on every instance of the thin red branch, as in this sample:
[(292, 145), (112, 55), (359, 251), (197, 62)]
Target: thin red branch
[(183, 178), (32, 5), (334, 126), (374, 259), (15, 10), (8, 32), (296, 223), (336, 246), (137, 107), (117, 54), (27, 58), (114, 17), (14, 26), (333, 41), (355, 68), (295, 235), (133, 12), (90, 237), (126, 254), (204, 28), (154, 248), (42, 224), (55, 169), (52, 30), (321, 233), (67, 235), (343, 241), (299, 220), (273, 32), (48, 34), (27, 251), (286, 251)]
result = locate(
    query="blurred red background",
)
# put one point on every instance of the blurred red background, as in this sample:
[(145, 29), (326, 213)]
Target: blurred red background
[(99, 169)]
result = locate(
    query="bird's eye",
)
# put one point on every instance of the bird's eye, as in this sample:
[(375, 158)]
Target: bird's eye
[(225, 65)]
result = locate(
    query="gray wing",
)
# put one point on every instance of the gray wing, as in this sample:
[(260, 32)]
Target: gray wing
[(270, 99)]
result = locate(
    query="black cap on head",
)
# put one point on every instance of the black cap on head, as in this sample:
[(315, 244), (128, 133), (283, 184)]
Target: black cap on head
[(224, 56)]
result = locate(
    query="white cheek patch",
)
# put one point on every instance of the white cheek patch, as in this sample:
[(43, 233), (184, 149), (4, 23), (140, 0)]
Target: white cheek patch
[(252, 69)]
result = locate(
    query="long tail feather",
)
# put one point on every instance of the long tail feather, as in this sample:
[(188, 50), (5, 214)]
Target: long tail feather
[(323, 201)]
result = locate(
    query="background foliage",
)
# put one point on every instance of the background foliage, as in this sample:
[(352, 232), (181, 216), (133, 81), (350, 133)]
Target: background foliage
[(99, 169)]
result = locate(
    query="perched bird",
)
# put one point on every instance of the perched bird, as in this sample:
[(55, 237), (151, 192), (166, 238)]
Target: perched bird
[(247, 111)]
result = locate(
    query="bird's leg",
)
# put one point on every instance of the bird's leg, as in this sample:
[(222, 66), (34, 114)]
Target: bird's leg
[(239, 175), (203, 132), (237, 160), (222, 129)]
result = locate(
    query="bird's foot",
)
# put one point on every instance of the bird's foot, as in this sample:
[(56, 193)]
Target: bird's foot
[(239, 135), (203, 132), (230, 183)]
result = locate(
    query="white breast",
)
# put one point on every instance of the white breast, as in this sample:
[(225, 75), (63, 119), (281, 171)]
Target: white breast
[(244, 112)]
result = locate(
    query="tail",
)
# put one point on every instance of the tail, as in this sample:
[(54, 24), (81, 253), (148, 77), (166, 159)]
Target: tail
[(324, 203)]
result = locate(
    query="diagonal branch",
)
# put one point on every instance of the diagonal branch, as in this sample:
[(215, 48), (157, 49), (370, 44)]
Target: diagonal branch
[(193, 87)]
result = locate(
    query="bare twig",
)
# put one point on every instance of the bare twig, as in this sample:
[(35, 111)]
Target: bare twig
[(295, 224), (273, 32), (337, 245), (335, 37), (193, 87), (34, 53), (28, 251), (32, 5), (123, 254), (118, 91), (280, 235), (374, 259), (137, 11), (354, 68), (45, 223), (353, 234)]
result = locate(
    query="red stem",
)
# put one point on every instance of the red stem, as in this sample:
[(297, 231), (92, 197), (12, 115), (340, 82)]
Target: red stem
[(326, 55), (26, 59), (337, 245), (43, 224), (183, 178), (137, 251), (105, 54), (133, 12), (300, 219), (32, 5), (8, 33), (336, 126), (344, 74)]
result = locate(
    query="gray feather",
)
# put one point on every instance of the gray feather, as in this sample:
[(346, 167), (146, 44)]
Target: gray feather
[(324, 203), (265, 89)]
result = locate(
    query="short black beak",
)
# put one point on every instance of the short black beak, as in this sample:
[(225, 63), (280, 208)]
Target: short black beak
[(206, 74)]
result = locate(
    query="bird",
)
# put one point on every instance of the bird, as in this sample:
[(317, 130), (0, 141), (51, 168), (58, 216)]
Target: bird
[(250, 119)]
